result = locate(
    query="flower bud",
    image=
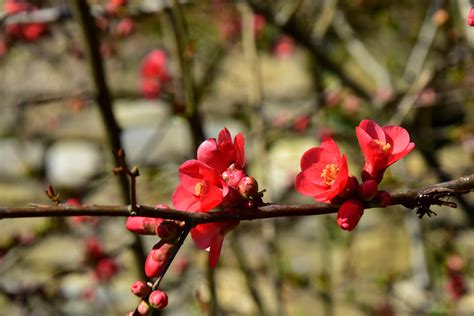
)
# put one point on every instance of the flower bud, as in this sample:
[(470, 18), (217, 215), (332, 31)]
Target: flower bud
[(156, 259), (158, 299), (168, 231), (383, 198), (143, 308), (248, 186), (142, 225), (232, 175), (351, 187), (140, 288), (349, 214), (377, 177), (232, 199), (367, 190)]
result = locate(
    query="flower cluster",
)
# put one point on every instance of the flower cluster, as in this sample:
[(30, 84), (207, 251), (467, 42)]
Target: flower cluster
[(215, 179), (325, 175)]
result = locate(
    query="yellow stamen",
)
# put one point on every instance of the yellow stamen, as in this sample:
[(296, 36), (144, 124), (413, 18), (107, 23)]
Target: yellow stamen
[(200, 188), (329, 173), (383, 146)]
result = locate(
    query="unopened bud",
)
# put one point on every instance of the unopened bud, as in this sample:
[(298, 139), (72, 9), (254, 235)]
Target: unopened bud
[(143, 225), (248, 186), (156, 259), (143, 308), (158, 299), (168, 231), (367, 190), (233, 175), (140, 288), (351, 187), (349, 214), (383, 198)]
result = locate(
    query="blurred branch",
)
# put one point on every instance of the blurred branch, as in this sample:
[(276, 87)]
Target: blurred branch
[(325, 18), (360, 53), (422, 197), (300, 34), (63, 13), (104, 102), (425, 39), (178, 26), (410, 97), (258, 128)]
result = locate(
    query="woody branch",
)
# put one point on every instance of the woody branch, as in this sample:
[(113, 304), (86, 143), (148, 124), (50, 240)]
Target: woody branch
[(422, 197)]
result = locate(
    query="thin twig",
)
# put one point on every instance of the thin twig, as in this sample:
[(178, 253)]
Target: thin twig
[(361, 54), (293, 28)]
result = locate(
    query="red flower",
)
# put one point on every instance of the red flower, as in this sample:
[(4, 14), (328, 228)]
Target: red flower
[(200, 189), (349, 214), (324, 172), (211, 236), (154, 72), (470, 17), (222, 153), (382, 146), (29, 31), (155, 65)]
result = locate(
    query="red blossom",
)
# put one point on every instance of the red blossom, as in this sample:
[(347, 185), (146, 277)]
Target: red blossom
[(28, 31), (211, 237), (470, 17), (324, 172), (221, 153), (284, 47), (154, 73), (105, 269), (382, 146), (349, 214), (200, 189)]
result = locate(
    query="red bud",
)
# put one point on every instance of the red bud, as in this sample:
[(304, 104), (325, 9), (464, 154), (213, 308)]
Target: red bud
[(140, 288), (158, 299), (156, 259), (248, 186), (143, 225), (168, 231), (383, 198), (349, 214), (367, 190)]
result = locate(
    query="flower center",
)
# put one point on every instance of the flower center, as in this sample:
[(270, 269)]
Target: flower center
[(200, 188), (385, 147), (329, 173)]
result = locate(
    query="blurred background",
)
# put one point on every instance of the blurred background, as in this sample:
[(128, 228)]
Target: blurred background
[(284, 73)]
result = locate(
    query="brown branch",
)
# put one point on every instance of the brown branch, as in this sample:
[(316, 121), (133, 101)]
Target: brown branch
[(422, 197)]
